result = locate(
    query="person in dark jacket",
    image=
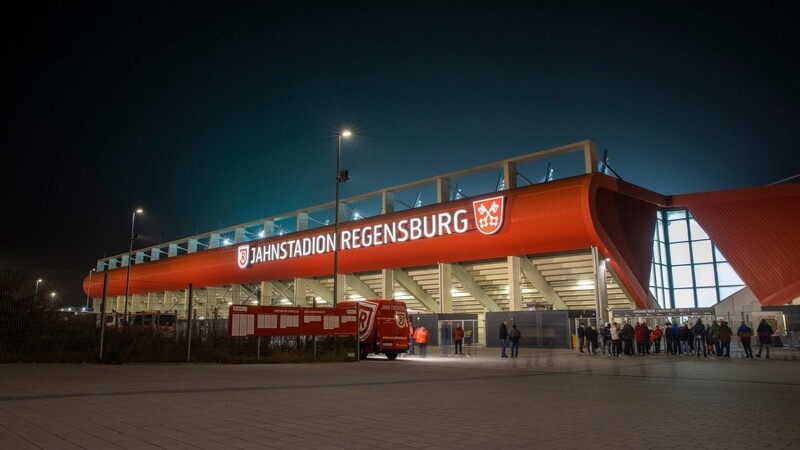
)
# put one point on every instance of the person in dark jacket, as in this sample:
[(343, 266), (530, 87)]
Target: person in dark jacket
[(627, 338), (647, 341), (503, 335), (724, 334), (605, 333), (514, 336), (581, 337), (684, 337), (669, 337), (745, 334), (765, 333), (591, 340), (699, 332), (676, 329)]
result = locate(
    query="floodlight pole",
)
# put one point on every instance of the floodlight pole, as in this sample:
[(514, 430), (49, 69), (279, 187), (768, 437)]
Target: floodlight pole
[(340, 178), (88, 297), (130, 250)]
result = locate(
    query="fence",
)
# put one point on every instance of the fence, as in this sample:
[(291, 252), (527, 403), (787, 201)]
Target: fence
[(45, 336)]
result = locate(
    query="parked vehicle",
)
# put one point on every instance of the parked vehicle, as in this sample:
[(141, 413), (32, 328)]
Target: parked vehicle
[(382, 327)]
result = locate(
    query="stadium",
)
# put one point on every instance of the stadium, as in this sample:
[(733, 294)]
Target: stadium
[(491, 239)]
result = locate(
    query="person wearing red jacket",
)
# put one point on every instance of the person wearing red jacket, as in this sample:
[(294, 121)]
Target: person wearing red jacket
[(640, 333), (655, 338), (458, 339), (421, 340)]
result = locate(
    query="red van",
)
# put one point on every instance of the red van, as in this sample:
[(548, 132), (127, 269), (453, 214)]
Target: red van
[(382, 326)]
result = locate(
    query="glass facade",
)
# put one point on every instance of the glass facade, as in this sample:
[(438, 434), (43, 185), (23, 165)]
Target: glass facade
[(688, 270)]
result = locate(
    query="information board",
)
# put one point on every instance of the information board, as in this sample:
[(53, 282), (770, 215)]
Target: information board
[(251, 320)]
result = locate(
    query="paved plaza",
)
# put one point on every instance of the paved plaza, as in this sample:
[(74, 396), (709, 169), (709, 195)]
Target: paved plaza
[(543, 399)]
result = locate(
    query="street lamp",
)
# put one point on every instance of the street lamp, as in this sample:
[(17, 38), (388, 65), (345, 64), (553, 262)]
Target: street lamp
[(36, 293), (130, 250), (52, 300), (341, 177)]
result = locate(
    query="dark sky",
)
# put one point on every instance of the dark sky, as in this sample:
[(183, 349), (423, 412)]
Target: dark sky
[(212, 114)]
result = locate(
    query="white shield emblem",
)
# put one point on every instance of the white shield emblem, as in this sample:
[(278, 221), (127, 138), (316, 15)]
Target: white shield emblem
[(489, 214), (366, 319), (243, 256), (401, 320)]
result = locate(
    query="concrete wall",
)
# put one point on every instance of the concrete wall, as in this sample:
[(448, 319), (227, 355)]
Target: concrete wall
[(738, 307)]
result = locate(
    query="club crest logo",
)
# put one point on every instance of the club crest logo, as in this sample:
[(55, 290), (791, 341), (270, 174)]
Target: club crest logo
[(243, 256), (366, 319), (401, 320), (489, 214)]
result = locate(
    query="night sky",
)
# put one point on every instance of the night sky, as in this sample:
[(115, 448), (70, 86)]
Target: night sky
[(213, 114)]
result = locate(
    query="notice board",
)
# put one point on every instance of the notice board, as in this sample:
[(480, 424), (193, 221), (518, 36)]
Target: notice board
[(251, 320)]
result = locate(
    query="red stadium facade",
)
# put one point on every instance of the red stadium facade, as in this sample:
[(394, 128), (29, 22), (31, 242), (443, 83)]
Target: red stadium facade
[(545, 240)]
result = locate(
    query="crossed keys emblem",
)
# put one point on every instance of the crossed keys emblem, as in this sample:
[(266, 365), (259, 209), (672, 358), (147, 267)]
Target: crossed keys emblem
[(489, 214)]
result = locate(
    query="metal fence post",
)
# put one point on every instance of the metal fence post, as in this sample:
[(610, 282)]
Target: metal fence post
[(189, 327), (103, 315)]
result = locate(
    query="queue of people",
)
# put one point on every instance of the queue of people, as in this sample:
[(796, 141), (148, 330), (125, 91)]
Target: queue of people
[(679, 339)]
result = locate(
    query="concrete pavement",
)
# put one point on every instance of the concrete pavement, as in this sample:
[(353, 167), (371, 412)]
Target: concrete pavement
[(543, 399)]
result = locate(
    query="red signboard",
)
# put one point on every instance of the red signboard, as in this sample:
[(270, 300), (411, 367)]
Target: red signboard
[(247, 320)]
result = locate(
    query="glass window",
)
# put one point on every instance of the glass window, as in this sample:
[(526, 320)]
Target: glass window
[(680, 253), (725, 292), (678, 214), (656, 254), (657, 278), (665, 275), (684, 298), (678, 232), (702, 252), (697, 231), (706, 297), (718, 254), (727, 276), (704, 275), (682, 277)]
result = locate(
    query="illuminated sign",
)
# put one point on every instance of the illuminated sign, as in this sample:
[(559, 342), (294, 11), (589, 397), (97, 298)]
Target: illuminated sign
[(488, 219)]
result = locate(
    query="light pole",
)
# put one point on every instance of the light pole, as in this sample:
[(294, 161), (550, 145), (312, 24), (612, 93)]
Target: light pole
[(341, 177), (52, 300), (90, 288), (130, 250), (36, 293)]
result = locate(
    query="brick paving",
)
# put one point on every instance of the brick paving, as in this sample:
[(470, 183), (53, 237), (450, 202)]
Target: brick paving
[(543, 399)]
